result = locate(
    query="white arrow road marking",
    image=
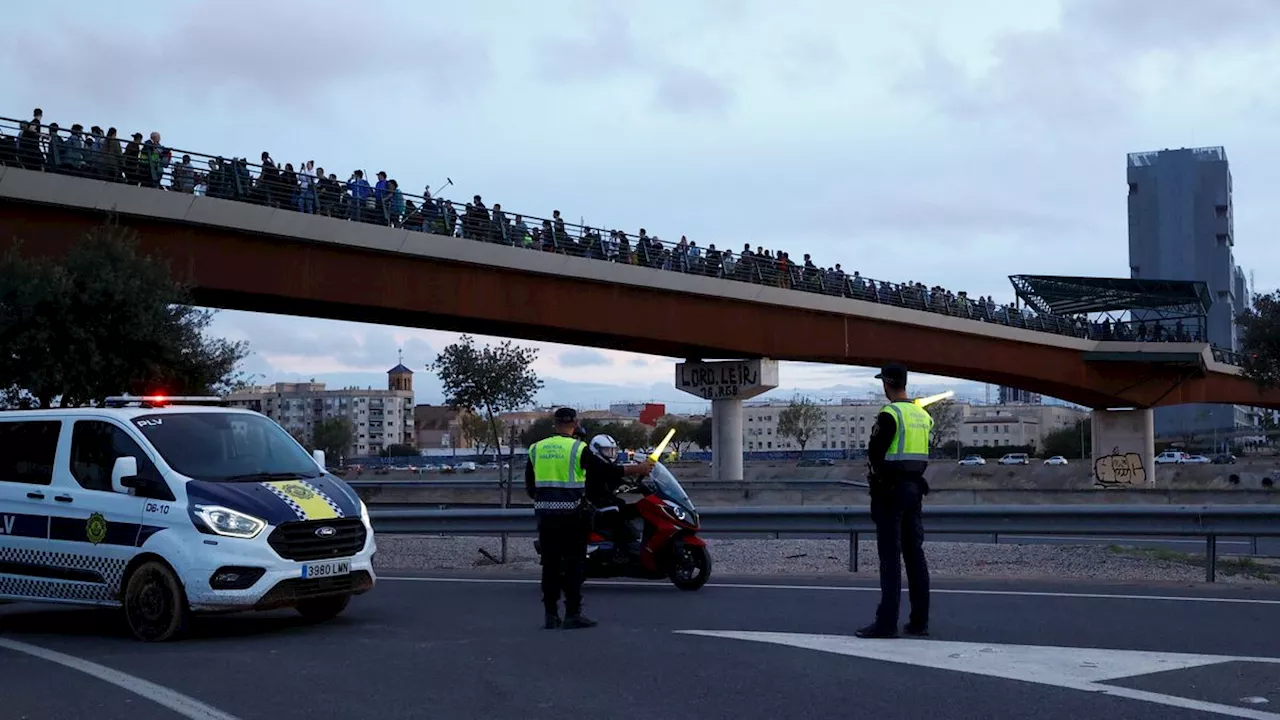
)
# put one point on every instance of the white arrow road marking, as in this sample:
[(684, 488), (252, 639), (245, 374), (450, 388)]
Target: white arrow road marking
[(183, 705), (1075, 668)]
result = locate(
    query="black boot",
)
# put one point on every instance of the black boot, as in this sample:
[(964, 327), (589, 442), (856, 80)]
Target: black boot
[(574, 620), (877, 631), (916, 629), (552, 620)]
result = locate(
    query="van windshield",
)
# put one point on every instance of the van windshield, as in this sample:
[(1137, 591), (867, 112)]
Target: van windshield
[(226, 447)]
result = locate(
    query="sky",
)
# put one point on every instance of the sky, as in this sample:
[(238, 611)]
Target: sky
[(922, 140)]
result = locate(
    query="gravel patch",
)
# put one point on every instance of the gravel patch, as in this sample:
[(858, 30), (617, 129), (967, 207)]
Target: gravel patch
[(815, 557)]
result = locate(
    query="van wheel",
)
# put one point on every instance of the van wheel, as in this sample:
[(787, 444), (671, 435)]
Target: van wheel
[(325, 608), (155, 603)]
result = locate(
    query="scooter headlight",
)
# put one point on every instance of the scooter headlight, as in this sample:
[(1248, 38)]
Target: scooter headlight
[(679, 513)]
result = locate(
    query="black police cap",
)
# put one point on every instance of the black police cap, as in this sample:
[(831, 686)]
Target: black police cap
[(893, 373), (564, 416)]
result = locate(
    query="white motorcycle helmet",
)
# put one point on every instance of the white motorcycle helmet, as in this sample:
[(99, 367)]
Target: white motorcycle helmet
[(605, 448)]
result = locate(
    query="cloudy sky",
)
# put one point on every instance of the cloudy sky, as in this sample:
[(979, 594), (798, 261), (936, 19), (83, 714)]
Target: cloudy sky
[(948, 143)]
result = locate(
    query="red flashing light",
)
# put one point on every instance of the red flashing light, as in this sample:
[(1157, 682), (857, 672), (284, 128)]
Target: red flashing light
[(155, 399)]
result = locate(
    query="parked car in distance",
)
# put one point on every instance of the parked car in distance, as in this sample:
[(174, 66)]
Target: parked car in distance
[(1015, 459), (1055, 460), (1169, 457), (1224, 459), (972, 460), (1195, 460)]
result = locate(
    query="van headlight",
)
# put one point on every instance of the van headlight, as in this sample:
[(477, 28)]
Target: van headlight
[(227, 522)]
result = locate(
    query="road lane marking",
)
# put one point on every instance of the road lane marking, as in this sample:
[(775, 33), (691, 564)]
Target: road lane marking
[(183, 705), (1013, 540), (1086, 669), (854, 588)]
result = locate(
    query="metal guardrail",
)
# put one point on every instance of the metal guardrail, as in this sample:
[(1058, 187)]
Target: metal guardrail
[(358, 200), (1200, 521)]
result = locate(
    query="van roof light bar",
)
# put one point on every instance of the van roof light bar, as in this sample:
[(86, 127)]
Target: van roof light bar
[(155, 401)]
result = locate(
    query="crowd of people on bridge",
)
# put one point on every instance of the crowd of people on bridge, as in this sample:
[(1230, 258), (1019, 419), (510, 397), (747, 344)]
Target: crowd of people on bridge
[(308, 189)]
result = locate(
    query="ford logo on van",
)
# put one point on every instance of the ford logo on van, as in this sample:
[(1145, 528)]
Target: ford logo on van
[(325, 532)]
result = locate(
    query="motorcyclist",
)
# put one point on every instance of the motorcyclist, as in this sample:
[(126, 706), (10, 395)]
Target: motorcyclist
[(617, 511)]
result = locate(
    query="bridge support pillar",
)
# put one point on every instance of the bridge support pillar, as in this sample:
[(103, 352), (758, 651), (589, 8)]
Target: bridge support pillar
[(1124, 447), (726, 440), (726, 385)]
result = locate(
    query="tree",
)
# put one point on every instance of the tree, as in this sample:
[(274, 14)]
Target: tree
[(704, 435), (399, 450), (630, 436), (800, 421), (1066, 441), (947, 417), (539, 429), (334, 436), (1261, 340), (685, 433), (480, 433), (105, 320), (488, 380)]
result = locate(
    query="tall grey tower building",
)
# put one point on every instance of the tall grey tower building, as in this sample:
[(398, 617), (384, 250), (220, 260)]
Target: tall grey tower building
[(1181, 227)]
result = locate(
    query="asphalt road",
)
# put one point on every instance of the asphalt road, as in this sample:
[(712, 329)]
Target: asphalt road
[(460, 647)]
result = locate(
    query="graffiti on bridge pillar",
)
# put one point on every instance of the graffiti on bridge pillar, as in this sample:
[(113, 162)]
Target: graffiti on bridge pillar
[(1119, 470)]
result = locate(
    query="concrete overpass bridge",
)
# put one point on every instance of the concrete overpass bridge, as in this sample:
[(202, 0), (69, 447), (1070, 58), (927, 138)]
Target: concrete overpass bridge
[(245, 256)]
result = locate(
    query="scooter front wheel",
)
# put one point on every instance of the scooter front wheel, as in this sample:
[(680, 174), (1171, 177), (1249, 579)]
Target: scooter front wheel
[(690, 567)]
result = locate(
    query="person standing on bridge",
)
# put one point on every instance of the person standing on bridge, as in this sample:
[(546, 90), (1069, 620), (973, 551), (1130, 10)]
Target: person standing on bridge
[(555, 476), (898, 454)]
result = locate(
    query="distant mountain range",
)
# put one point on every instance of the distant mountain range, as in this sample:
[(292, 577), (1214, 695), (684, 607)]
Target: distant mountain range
[(598, 395)]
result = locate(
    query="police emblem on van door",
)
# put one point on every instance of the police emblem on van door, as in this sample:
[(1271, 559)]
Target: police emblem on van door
[(96, 529), (299, 491)]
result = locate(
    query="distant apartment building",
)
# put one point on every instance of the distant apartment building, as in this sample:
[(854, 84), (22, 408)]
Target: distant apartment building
[(1182, 227), (999, 430), (1014, 396), (379, 418), (644, 413), (847, 426), (437, 427)]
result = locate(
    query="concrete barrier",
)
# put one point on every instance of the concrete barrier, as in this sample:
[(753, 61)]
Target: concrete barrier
[(943, 475), (792, 496)]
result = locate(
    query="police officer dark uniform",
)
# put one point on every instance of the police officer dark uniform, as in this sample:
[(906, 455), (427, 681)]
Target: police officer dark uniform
[(898, 454), (556, 476)]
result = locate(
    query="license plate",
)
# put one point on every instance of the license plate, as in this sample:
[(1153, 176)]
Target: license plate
[(329, 569)]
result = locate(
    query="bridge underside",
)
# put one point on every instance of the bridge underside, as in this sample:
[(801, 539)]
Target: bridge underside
[(234, 269)]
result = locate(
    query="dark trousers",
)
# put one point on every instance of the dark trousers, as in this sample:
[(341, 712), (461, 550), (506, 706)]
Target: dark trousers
[(563, 538), (896, 511)]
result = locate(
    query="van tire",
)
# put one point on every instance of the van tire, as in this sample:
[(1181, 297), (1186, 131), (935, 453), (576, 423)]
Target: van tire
[(324, 608), (155, 603)]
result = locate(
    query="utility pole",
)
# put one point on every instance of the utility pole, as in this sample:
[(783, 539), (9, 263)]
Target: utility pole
[(511, 478)]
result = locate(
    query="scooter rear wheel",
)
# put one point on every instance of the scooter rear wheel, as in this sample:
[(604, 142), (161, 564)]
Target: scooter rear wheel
[(690, 567)]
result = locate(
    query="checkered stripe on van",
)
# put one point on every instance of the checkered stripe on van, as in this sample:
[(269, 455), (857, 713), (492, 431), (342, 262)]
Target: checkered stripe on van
[(325, 497), (295, 507), (111, 570)]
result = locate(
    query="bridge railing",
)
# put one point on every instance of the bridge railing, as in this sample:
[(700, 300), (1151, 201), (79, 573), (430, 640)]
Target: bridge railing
[(1205, 521), (266, 184)]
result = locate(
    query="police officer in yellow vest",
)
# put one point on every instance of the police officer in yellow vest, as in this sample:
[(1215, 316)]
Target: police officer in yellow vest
[(556, 477), (898, 454)]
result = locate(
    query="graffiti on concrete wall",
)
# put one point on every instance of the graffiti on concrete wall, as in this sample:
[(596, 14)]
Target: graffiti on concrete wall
[(1119, 470)]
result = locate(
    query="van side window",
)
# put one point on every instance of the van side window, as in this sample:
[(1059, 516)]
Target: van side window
[(95, 445), (27, 451)]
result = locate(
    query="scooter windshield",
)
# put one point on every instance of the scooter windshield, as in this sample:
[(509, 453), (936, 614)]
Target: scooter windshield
[(669, 488)]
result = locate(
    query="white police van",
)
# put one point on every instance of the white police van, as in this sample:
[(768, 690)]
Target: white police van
[(166, 507)]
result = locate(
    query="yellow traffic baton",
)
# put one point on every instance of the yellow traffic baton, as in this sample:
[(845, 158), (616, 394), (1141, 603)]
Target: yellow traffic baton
[(657, 452), (927, 401)]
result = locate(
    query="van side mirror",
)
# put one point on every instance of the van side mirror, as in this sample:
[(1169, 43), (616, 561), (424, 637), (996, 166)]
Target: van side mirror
[(124, 474), (319, 458)]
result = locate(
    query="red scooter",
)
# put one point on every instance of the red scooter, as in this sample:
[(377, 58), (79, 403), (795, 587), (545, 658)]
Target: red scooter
[(669, 544)]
